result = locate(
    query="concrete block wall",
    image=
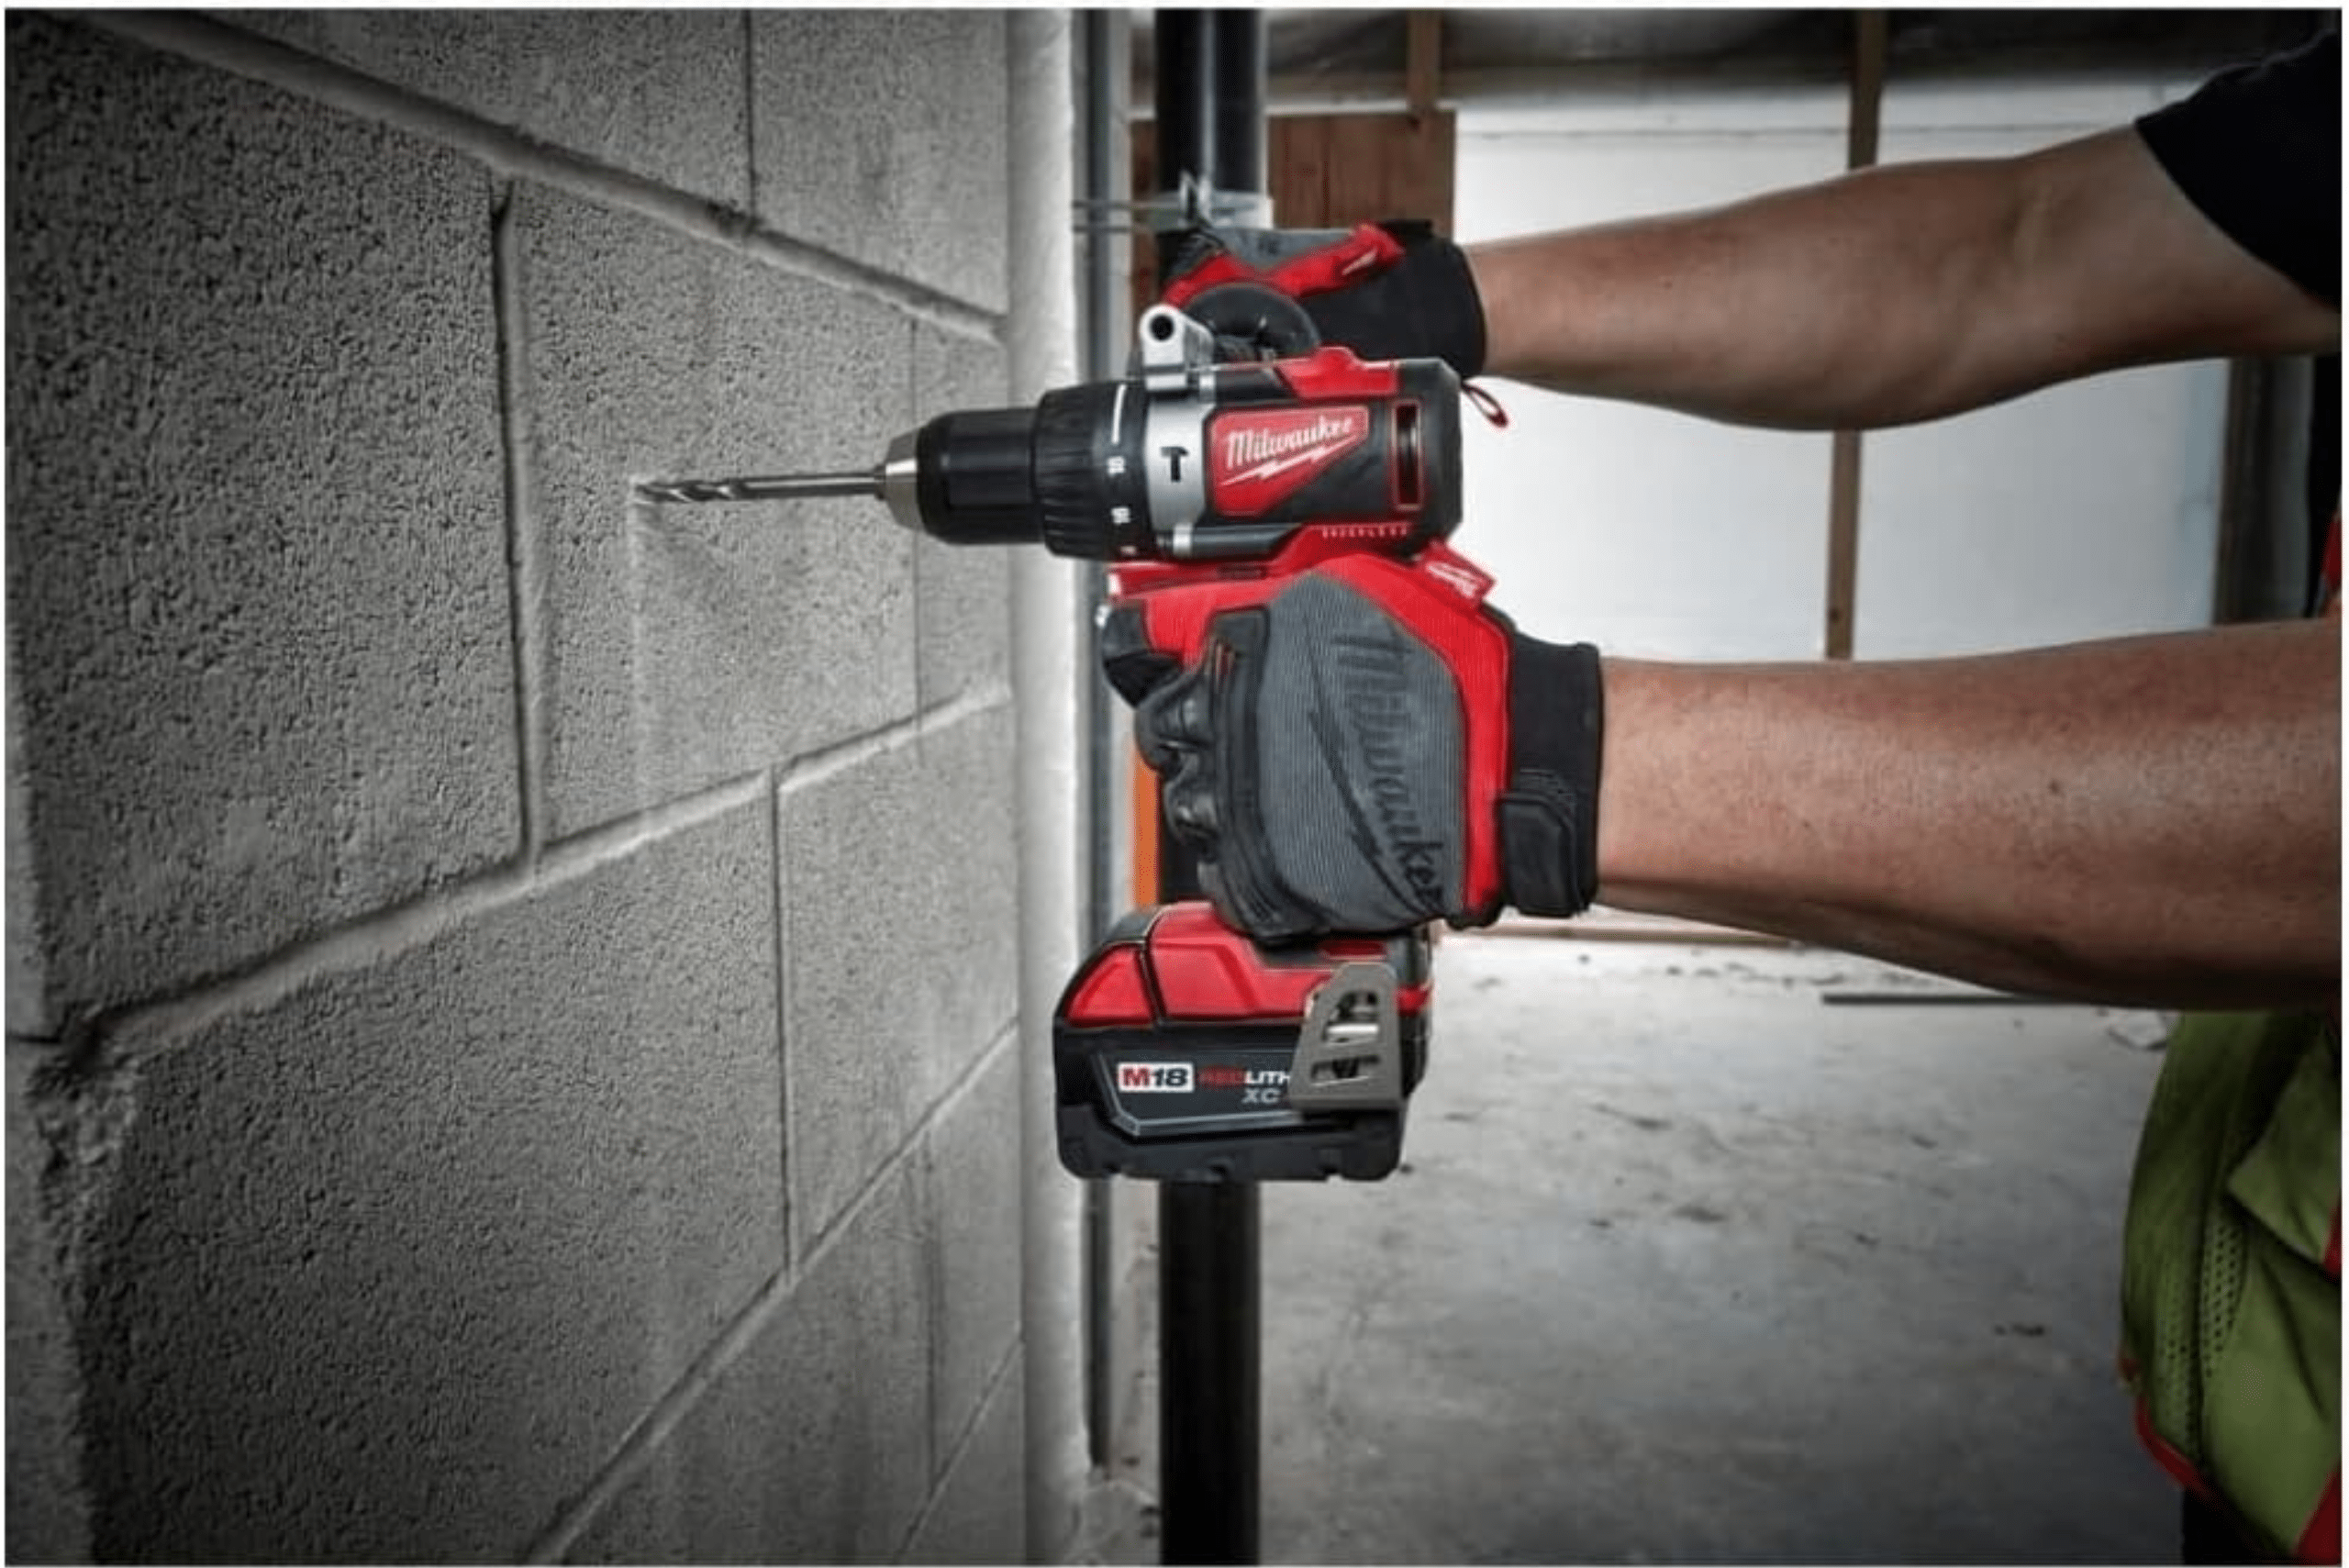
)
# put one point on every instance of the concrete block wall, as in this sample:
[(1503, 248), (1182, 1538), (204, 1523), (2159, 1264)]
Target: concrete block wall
[(512, 994)]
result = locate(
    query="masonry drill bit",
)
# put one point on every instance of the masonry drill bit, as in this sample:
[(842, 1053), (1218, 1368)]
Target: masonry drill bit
[(763, 487)]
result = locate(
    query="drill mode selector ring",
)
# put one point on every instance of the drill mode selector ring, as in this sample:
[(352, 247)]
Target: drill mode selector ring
[(1090, 499)]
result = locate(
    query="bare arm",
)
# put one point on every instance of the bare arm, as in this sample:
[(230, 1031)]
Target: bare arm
[(1896, 294), (2153, 821)]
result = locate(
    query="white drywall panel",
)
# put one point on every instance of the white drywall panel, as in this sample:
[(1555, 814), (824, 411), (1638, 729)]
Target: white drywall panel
[(1647, 532), (2086, 510), (2082, 511)]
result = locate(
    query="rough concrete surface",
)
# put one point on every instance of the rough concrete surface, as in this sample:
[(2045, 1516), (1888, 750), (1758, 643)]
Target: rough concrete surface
[(657, 93), (1686, 1265), (970, 1191), (900, 946), (413, 1019), (685, 645), (257, 603), (385, 1268), (813, 1445), (879, 135), (47, 1512), (977, 1516), (26, 1006)]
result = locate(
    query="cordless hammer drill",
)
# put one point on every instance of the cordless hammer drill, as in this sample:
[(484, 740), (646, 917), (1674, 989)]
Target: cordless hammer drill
[(1183, 1050)]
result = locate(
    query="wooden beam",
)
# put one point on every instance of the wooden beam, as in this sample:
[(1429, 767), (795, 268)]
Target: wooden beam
[(1842, 540), (1423, 61), (1866, 118), (1869, 44)]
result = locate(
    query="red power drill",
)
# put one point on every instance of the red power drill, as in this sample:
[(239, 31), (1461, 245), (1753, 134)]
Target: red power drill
[(1184, 1049)]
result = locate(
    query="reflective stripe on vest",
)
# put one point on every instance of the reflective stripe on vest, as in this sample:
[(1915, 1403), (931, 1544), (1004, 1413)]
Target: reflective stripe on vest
[(2231, 1290)]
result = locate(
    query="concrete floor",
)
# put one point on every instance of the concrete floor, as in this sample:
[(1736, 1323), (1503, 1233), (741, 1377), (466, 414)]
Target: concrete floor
[(1688, 1264)]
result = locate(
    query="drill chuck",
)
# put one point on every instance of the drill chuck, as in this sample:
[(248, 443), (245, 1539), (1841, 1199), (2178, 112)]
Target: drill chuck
[(1048, 474)]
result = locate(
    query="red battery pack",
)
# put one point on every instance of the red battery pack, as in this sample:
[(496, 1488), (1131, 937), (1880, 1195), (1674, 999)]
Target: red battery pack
[(1184, 1052)]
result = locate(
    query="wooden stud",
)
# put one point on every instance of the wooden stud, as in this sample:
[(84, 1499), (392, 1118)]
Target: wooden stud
[(1870, 42), (1869, 39), (1423, 61)]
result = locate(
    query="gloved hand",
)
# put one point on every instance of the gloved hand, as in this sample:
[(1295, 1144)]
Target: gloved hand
[(1371, 748), (1387, 290)]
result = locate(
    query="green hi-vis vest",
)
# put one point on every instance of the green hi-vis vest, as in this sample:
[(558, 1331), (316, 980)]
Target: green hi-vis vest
[(2231, 1277)]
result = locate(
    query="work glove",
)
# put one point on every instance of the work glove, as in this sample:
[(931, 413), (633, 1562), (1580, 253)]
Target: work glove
[(1388, 291), (1369, 748)]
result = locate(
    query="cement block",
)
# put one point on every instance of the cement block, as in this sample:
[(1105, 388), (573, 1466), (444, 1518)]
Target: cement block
[(971, 1168), (881, 136), (656, 93), (257, 593), (901, 947), (28, 1008), (962, 595), (48, 1512), (691, 644), (384, 1270), (813, 1446), (980, 1514)]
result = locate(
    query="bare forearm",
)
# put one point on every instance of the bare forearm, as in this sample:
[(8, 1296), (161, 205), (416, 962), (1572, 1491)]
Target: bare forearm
[(1897, 294), (1800, 308), (2155, 820)]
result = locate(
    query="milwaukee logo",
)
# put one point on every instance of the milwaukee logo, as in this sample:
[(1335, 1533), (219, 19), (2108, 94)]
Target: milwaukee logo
[(1261, 459), (1275, 449), (1381, 730), (1459, 578)]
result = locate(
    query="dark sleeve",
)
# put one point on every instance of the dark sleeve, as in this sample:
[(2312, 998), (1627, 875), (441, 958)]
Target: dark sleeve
[(2257, 149)]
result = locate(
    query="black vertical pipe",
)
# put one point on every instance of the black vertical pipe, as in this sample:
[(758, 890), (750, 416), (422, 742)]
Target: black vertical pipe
[(1102, 293), (1210, 99), (1211, 107), (1207, 1372)]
